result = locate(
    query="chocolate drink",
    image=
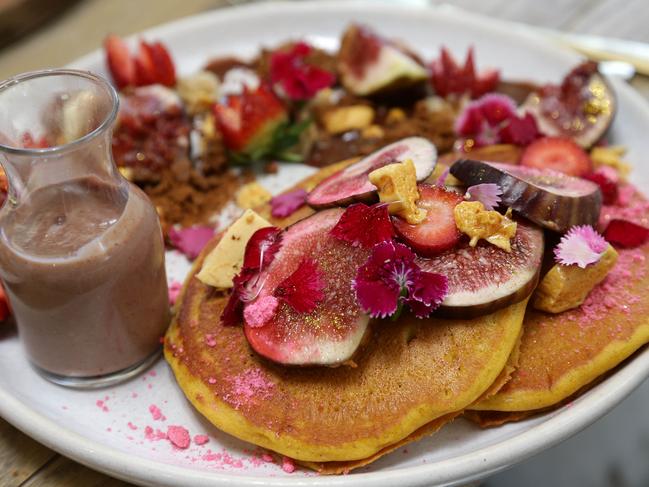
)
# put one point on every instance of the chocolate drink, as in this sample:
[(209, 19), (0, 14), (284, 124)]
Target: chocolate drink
[(83, 266)]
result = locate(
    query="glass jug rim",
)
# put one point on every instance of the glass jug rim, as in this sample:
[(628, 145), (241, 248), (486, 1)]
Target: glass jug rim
[(105, 124)]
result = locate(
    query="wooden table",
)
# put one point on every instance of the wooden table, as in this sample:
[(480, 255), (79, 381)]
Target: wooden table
[(23, 461)]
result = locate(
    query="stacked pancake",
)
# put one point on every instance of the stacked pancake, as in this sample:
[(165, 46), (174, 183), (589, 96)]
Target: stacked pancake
[(409, 377)]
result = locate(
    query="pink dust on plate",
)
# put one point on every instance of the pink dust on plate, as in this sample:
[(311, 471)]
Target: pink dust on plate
[(156, 413), (178, 436), (249, 386)]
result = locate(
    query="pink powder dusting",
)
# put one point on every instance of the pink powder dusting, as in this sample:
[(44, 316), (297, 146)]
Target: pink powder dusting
[(249, 385), (613, 292), (210, 341), (153, 373), (156, 435), (132, 426), (260, 312), (288, 465), (156, 413), (201, 439), (102, 405), (178, 436)]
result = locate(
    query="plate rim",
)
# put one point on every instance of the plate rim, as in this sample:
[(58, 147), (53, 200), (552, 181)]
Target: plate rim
[(560, 424)]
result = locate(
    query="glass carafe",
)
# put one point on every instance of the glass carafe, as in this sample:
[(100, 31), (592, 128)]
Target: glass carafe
[(81, 249)]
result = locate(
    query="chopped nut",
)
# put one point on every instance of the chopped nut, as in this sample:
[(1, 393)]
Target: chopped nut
[(373, 132), (225, 260), (397, 184), (473, 220), (611, 156), (565, 287), (395, 115), (342, 119), (199, 91), (252, 195)]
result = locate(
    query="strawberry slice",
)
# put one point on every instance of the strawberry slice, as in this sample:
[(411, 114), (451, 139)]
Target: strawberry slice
[(5, 309), (448, 77), (438, 231), (151, 65), (248, 121), (559, 154), (120, 63)]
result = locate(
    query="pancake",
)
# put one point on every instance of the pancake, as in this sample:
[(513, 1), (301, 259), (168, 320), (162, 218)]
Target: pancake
[(563, 354), (410, 377)]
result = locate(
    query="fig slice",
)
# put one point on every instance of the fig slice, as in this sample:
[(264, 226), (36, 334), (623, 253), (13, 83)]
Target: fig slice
[(352, 183), (331, 333), (551, 199), (370, 65), (582, 107), (485, 278)]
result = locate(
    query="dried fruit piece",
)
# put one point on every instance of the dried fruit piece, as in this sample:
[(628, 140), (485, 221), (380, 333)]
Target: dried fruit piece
[(607, 179), (287, 203), (438, 231), (449, 78), (330, 333), (352, 183), (364, 226), (369, 64), (625, 233), (566, 286), (558, 154), (484, 278), (191, 240), (553, 200), (581, 108)]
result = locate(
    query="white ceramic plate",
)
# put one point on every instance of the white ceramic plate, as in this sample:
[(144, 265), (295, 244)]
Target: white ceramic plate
[(106, 429)]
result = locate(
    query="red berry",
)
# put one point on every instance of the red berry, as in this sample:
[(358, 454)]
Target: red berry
[(164, 66), (438, 231), (559, 154), (145, 73), (120, 63)]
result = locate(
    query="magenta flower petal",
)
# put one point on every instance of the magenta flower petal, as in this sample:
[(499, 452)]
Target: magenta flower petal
[(288, 203), (191, 240), (298, 79), (489, 194), (304, 289), (377, 298), (427, 293), (364, 226), (581, 246)]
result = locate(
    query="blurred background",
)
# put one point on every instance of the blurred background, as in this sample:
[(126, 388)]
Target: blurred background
[(36, 34)]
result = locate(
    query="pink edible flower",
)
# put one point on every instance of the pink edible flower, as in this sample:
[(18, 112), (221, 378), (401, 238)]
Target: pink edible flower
[(489, 194), (303, 289), (191, 240), (178, 436), (390, 278), (492, 119), (260, 311), (582, 246), (364, 226), (288, 203), (296, 78)]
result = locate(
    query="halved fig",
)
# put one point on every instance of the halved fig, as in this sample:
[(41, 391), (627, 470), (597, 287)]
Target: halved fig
[(369, 64), (582, 107), (352, 183), (485, 278), (551, 199), (331, 333)]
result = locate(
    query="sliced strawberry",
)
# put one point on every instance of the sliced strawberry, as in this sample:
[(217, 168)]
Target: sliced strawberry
[(438, 231), (248, 121), (120, 63), (164, 65), (448, 77), (559, 154), (145, 70)]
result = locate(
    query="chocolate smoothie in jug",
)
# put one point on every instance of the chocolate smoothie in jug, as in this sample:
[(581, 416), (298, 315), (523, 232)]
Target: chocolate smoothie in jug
[(85, 276)]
